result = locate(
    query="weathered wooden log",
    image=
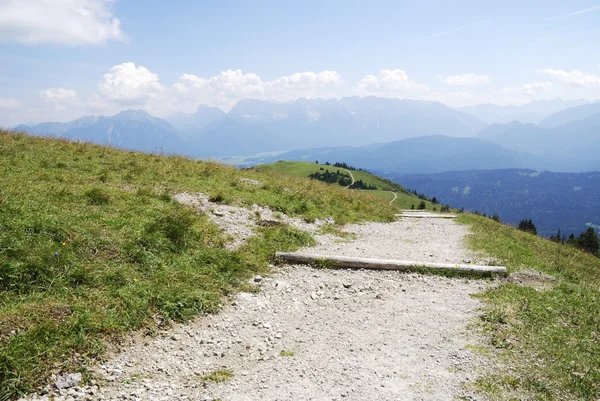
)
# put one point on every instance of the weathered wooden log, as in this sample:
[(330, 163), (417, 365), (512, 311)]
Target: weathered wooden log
[(427, 215), (383, 264)]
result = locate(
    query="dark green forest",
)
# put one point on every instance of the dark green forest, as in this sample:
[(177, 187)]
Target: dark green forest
[(566, 201), (342, 178)]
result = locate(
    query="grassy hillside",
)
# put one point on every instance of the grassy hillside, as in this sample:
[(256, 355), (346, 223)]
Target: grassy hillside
[(384, 187), (92, 246), (547, 339)]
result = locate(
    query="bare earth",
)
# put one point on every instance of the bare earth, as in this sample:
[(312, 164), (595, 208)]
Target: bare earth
[(312, 334)]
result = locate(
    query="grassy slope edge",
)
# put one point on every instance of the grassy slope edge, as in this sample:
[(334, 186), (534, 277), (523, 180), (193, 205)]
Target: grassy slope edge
[(547, 341), (384, 186), (93, 246)]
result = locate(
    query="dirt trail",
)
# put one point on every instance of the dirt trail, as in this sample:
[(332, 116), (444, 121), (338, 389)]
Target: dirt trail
[(351, 177), (316, 334)]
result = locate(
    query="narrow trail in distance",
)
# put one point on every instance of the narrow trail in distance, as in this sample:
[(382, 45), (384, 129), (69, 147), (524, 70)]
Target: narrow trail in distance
[(351, 176)]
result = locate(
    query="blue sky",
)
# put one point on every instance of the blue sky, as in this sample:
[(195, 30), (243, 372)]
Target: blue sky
[(60, 59)]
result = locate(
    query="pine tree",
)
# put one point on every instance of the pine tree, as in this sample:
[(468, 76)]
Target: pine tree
[(588, 241), (527, 226)]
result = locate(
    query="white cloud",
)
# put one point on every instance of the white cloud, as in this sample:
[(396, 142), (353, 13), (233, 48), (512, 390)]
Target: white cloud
[(575, 77), (226, 88), (96, 102), (58, 95), (389, 83), (464, 80), (528, 89), (127, 84), (73, 22), (306, 81), (233, 84), (189, 83), (9, 103)]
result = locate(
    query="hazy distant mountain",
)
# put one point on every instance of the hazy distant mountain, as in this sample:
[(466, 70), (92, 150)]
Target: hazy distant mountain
[(130, 129), (516, 135), (571, 147), (532, 112), (57, 129), (568, 201), (419, 155), (192, 123), (571, 114), (228, 136), (255, 126), (354, 121)]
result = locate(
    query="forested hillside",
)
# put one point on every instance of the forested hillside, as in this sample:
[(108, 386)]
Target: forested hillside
[(568, 201)]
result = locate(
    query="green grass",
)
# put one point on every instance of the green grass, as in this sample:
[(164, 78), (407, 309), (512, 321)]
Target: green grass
[(548, 342), (288, 353), (384, 186), (218, 376), (93, 246), (304, 169)]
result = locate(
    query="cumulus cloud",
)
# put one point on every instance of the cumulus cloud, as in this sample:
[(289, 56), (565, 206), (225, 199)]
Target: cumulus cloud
[(233, 84), (229, 86), (529, 89), (126, 84), (73, 22), (58, 95), (306, 81), (189, 83), (464, 80), (389, 83), (9, 103), (575, 77)]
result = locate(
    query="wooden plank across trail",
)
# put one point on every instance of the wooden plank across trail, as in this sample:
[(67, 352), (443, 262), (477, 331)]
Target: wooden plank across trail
[(383, 264), (421, 215)]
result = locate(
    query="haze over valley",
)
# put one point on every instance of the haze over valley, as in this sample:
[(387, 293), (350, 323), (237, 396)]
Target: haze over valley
[(400, 139), (394, 136)]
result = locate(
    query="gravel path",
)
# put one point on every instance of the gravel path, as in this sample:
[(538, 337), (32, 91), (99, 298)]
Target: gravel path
[(312, 334)]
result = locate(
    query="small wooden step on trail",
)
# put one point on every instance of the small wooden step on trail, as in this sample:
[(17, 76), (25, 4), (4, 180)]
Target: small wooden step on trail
[(384, 264), (422, 214)]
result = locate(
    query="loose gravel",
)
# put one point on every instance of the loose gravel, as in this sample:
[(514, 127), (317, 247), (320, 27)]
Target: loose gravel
[(239, 223), (318, 334)]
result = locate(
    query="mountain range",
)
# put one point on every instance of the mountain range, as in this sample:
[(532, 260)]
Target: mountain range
[(426, 154), (130, 129), (533, 112), (385, 135), (262, 126), (574, 146)]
